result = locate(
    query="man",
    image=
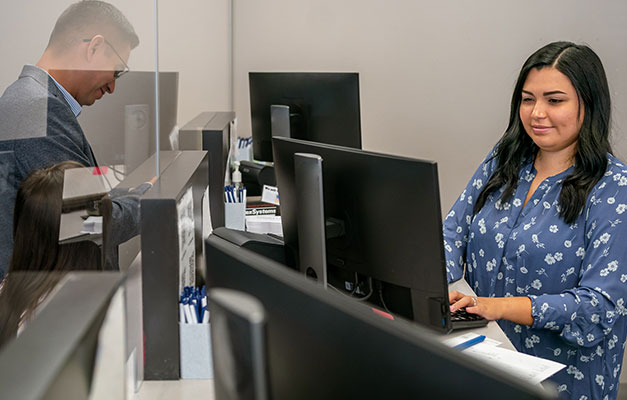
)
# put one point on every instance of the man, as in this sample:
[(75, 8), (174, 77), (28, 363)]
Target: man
[(88, 50)]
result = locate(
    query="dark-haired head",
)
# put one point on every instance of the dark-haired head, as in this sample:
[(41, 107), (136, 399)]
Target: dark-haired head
[(584, 70), (36, 223)]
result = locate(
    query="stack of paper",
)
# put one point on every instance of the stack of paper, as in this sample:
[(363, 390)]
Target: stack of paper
[(264, 224), (92, 225)]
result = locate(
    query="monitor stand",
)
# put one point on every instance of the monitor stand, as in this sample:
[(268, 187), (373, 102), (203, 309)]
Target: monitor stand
[(239, 345), (280, 120), (310, 216)]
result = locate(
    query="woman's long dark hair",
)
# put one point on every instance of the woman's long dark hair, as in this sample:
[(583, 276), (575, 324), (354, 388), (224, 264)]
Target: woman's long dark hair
[(585, 71), (36, 223)]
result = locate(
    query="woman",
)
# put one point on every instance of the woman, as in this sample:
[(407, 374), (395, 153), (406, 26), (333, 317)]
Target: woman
[(36, 223), (540, 225)]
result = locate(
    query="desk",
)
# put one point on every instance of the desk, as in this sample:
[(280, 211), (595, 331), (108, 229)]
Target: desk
[(176, 390), (203, 388)]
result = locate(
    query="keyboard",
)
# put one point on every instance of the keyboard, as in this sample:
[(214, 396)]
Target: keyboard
[(461, 319)]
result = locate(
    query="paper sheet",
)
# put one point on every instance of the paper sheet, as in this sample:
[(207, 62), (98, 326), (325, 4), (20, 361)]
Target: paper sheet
[(523, 366), (187, 246), (264, 224)]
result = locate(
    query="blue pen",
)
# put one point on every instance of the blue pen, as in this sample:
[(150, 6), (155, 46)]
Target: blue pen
[(469, 343)]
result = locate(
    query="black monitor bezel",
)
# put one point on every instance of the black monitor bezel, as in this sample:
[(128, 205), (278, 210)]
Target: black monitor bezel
[(301, 90)]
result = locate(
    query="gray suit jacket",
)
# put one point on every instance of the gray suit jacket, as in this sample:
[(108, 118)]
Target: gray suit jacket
[(37, 130)]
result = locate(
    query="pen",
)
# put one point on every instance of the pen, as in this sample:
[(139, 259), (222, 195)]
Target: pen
[(181, 313), (188, 314), (469, 343)]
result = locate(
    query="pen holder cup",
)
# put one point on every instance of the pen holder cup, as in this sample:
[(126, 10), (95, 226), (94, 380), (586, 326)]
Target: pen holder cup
[(234, 215), (195, 341)]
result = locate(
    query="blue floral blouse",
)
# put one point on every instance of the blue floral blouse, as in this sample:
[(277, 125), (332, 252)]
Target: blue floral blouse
[(575, 275)]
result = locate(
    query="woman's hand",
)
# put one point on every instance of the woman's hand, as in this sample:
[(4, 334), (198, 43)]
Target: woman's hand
[(515, 309)]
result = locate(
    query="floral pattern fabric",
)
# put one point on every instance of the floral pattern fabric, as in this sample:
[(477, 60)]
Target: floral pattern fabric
[(574, 274)]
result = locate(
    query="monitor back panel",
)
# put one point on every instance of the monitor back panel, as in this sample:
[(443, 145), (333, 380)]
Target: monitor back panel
[(321, 345), (390, 207)]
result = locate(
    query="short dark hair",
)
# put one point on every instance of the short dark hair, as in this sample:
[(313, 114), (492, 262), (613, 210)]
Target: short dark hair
[(87, 14), (581, 65)]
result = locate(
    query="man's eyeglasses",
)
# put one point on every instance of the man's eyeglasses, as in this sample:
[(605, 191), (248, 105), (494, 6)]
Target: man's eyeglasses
[(116, 73)]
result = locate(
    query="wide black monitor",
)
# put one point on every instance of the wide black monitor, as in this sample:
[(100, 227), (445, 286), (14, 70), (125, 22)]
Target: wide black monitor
[(391, 250), (323, 107), (321, 345)]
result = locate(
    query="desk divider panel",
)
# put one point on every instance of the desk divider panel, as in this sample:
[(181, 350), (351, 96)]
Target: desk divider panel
[(162, 258), (211, 131)]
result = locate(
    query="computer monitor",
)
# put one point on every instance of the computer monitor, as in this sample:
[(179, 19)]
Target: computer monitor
[(321, 345), (321, 106), (238, 325), (73, 348), (391, 248)]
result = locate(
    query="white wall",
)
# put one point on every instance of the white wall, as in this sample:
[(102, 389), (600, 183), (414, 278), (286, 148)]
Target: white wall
[(193, 36), (435, 76), (194, 40)]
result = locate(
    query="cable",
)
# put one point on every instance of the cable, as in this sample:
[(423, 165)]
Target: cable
[(117, 174), (351, 294), (355, 284), (381, 298), (336, 289)]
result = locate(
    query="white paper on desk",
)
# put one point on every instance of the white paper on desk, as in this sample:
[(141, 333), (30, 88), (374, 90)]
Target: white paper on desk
[(523, 366)]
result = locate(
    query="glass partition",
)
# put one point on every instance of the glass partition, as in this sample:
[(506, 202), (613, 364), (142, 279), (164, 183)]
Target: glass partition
[(78, 83)]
